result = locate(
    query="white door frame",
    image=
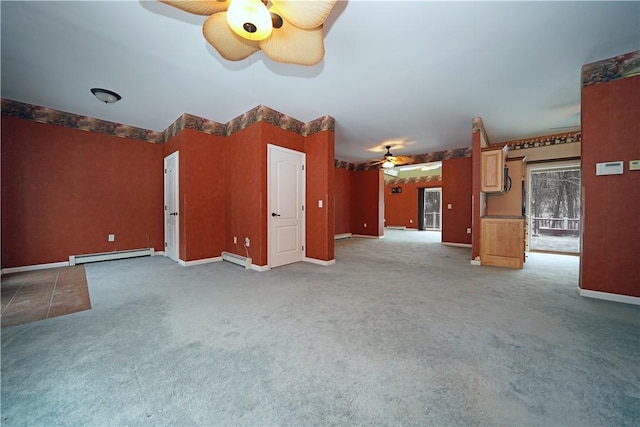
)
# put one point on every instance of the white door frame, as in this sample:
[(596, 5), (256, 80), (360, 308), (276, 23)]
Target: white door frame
[(176, 198), (439, 191), (270, 149), (546, 167)]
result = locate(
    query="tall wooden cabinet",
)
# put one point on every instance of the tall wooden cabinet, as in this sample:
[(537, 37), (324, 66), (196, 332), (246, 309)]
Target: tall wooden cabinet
[(503, 226)]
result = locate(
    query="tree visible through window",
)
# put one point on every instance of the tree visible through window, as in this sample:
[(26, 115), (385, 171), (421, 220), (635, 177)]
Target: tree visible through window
[(555, 210)]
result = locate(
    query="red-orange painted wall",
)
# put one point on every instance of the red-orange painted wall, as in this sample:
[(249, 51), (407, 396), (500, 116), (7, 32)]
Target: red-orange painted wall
[(456, 191), (201, 214), (246, 189), (320, 221), (343, 184), (611, 210), (245, 192), (401, 209), (367, 203), (64, 190), (93, 185)]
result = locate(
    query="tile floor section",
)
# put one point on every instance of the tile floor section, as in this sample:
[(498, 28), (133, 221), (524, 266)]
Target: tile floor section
[(37, 295)]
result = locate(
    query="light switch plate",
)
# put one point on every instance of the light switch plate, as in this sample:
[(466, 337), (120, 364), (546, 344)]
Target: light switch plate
[(634, 165)]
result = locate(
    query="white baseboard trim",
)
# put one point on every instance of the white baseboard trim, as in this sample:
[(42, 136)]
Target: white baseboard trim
[(260, 267), (199, 261), (342, 236), (460, 245), (319, 261), (366, 236), (156, 253), (34, 267), (627, 299)]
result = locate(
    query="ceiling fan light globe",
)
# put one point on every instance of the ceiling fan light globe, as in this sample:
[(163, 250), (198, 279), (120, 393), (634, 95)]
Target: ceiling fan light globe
[(250, 19), (388, 165)]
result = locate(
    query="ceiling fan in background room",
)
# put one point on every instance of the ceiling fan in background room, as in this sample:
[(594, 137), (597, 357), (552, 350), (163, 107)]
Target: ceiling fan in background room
[(288, 31), (389, 160)]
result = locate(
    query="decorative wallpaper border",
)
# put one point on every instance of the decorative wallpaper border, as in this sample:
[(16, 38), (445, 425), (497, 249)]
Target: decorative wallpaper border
[(185, 121), (346, 165), (543, 141), (477, 125), (413, 180), (618, 67), (49, 115), (454, 153)]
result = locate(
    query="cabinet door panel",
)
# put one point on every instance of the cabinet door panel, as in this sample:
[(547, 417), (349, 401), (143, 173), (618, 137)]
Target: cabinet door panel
[(492, 172), (502, 242)]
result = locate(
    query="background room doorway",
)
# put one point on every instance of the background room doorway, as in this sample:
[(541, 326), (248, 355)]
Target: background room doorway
[(430, 209), (554, 208)]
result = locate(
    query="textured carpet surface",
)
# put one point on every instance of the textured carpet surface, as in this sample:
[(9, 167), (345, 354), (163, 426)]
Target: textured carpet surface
[(400, 331)]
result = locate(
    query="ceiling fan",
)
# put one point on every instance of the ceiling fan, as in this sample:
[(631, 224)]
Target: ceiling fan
[(288, 31), (389, 160)]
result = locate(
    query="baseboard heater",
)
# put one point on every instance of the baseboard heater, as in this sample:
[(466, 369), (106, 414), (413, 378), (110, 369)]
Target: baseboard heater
[(237, 259), (108, 256), (342, 236), (397, 227)]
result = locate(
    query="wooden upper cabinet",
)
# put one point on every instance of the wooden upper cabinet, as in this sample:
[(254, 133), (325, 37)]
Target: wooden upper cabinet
[(493, 170)]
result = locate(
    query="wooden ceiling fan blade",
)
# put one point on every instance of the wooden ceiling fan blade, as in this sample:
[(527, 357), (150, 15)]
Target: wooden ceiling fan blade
[(305, 13), (199, 7), (229, 45), (293, 45), (402, 160)]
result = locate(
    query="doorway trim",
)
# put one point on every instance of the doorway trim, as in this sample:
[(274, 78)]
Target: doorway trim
[(549, 166), (421, 211)]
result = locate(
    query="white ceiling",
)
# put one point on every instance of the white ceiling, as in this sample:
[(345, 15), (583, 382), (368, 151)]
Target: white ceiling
[(411, 74)]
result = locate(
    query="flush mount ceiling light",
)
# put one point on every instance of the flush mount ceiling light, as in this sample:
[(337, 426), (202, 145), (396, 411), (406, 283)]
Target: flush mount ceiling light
[(288, 31), (105, 95)]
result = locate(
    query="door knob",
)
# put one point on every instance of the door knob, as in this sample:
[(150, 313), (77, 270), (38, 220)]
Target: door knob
[(274, 214)]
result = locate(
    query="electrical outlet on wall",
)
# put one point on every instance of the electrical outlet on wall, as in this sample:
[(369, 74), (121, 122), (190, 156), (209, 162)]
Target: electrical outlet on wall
[(235, 240), (247, 242), (468, 231), (111, 238)]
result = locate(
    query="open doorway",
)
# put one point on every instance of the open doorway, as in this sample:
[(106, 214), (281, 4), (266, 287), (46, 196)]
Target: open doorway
[(554, 208), (430, 209)]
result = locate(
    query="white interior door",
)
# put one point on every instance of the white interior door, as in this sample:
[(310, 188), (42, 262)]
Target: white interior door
[(171, 229), (286, 216)]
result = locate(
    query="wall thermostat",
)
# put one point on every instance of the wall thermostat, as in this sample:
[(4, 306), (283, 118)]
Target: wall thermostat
[(609, 168)]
